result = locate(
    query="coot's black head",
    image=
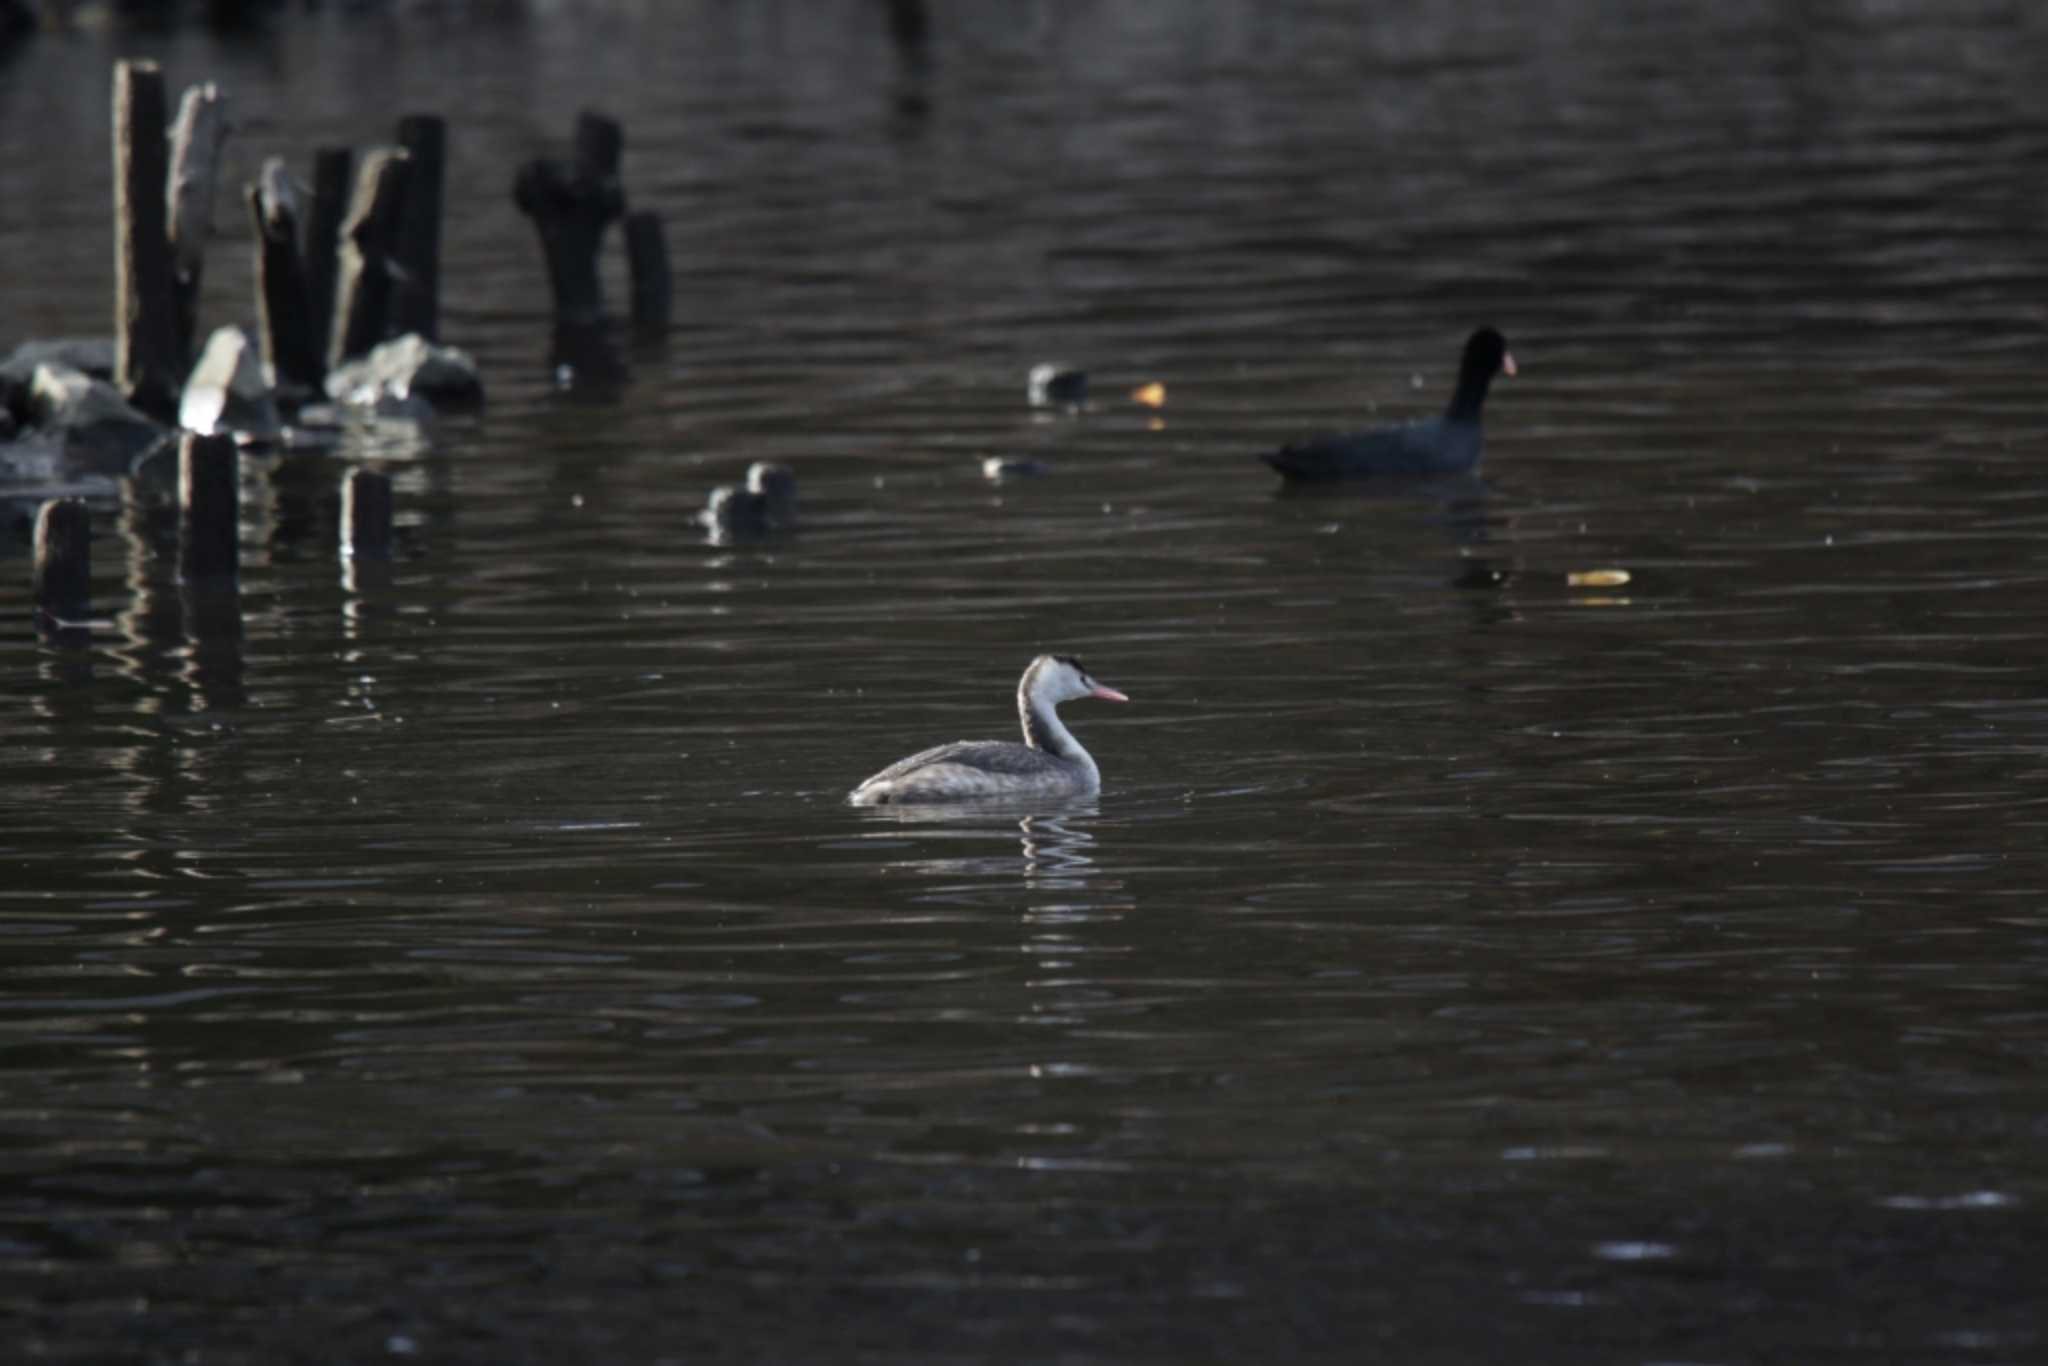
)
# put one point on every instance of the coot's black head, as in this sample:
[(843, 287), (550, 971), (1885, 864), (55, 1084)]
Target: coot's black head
[(1486, 355)]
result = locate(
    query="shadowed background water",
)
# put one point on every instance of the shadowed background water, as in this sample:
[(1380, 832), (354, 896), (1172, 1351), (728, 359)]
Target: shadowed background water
[(472, 958)]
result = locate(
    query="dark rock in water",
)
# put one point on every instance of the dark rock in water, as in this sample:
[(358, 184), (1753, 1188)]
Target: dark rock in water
[(93, 355), (999, 467), (1056, 385), (228, 392), (409, 368)]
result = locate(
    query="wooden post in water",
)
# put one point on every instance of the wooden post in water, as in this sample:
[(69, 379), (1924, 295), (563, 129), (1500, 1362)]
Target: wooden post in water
[(366, 515), (146, 361), (647, 259), (416, 290), (63, 573), (209, 497), (333, 168), (571, 207), (196, 138), (284, 305), (362, 289)]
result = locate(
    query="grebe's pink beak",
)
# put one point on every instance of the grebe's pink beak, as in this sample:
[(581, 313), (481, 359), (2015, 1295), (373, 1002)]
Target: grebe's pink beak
[(1108, 694), (1507, 362)]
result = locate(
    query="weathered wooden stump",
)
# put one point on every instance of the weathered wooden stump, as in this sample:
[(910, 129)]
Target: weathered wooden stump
[(910, 25), (231, 16), (63, 572), (196, 139), (582, 356), (284, 303), (147, 366), (209, 497), (333, 172), (571, 206), (647, 261), (416, 287), (17, 21), (362, 290), (366, 515)]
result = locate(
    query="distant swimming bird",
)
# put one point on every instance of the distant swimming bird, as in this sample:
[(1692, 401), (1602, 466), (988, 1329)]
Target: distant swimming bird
[(997, 468), (1050, 762), (1451, 444), (1049, 385), (767, 503)]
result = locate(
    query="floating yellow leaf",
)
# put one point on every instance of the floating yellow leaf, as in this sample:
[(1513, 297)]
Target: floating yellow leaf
[(1597, 578), (1152, 395)]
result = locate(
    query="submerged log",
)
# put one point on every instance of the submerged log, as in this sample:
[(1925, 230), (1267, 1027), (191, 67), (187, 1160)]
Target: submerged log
[(147, 365), (63, 573), (362, 290), (283, 302), (416, 286), (333, 169), (571, 207), (209, 497), (196, 139)]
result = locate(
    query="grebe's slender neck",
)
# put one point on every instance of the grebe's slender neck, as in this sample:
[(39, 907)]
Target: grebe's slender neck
[(1042, 727)]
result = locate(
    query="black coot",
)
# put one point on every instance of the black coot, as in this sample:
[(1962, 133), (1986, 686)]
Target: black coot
[(1435, 446)]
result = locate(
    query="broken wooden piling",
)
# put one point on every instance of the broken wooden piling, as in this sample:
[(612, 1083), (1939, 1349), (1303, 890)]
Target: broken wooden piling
[(196, 138), (362, 292), (284, 302), (209, 498), (147, 364), (333, 174), (571, 207), (63, 561), (416, 286)]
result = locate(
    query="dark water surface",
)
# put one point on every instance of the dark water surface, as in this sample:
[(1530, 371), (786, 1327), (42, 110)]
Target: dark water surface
[(473, 959)]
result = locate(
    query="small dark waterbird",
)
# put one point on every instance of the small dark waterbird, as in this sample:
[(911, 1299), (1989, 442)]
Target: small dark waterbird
[(767, 503), (1433, 447)]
